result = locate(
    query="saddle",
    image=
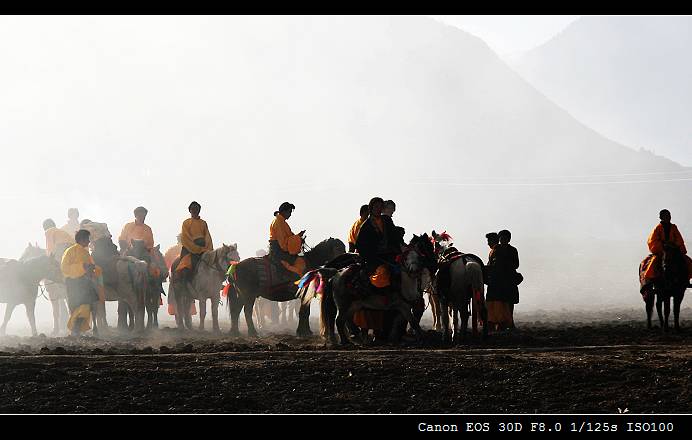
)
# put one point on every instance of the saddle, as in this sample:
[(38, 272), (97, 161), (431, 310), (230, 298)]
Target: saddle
[(272, 277)]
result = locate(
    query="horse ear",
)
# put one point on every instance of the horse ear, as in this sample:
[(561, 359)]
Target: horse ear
[(235, 245), (30, 245), (158, 247)]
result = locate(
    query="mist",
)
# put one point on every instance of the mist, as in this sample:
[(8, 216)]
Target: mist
[(243, 113)]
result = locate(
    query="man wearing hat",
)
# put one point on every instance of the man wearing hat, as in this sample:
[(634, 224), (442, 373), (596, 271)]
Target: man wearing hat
[(284, 245), (136, 230)]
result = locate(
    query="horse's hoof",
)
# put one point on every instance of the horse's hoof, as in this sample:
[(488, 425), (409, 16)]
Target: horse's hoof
[(234, 333)]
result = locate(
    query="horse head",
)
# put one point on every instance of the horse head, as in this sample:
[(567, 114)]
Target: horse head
[(32, 251), (159, 262), (138, 249), (425, 248), (44, 267), (325, 251), (227, 253)]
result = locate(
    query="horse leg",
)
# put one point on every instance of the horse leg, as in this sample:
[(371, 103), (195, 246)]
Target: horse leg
[(64, 314), (249, 306), (444, 316), (649, 306), (677, 300), (659, 309), (30, 308), (94, 313), (202, 313), (464, 316), (475, 311), (666, 313), (138, 310), (342, 316), (122, 316), (215, 315), (8, 314), (55, 306), (132, 317), (304, 321)]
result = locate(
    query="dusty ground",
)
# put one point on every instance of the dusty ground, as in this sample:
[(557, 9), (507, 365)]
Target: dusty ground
[(576, 363)]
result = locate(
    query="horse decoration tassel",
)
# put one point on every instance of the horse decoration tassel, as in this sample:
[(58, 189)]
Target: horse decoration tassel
[(231, 278)]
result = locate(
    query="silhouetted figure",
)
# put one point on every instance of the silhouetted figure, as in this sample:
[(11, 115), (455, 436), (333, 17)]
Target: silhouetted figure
[(503, 292)]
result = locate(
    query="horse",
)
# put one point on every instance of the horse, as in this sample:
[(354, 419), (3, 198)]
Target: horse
[(158, 273), (246, 285), (125, 280), (204, 284), (441, 245), (340, 302), (57, 292), (464, 296), (19, 282), (672, 282)]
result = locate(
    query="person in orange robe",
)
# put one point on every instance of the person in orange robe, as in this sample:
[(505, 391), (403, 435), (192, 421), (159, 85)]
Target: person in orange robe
[(355, 229), (56, 238), (284, 245), (664, 234), (173, 252), (136, 230), (195, 239)]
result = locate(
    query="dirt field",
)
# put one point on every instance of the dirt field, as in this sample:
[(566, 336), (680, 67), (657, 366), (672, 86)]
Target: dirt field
[(574, 363)]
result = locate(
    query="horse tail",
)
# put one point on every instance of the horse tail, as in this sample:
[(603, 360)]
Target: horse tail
[(313, 283), (327, 308)]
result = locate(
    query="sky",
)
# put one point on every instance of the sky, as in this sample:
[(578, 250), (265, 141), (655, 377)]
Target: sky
[(510, 35)]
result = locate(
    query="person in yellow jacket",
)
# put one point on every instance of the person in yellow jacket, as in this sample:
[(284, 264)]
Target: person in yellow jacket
[(284, 245), (81, 275), (664, 235), (56, 239), (195, 239), (136, 230), (355, 229)]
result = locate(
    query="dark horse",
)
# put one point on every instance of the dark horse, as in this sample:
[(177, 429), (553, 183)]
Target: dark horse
[(672, 282), (246, 286), (19, 284)]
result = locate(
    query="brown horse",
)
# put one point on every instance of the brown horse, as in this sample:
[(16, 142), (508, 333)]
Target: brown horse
[(246, 287)]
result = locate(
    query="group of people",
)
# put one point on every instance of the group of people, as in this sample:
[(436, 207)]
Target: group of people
[(374, 236), (502, 279), (85, 276)]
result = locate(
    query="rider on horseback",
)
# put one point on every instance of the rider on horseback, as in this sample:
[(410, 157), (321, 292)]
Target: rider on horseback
[(56, 237), (665, 236), (284, 245), (196, 240), (378, 244), (136, 230)]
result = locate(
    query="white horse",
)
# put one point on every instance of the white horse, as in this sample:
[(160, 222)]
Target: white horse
[(465, 297), (205, 285)]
